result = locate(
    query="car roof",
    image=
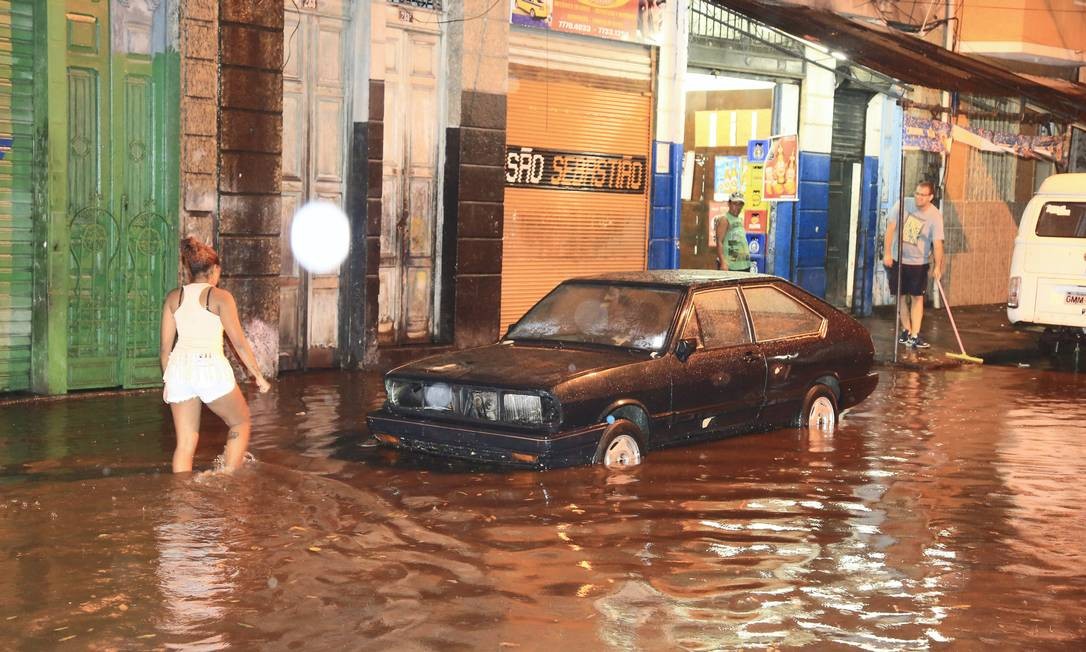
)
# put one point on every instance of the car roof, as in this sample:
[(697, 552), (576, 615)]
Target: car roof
[(686, 278), (1073, 183)]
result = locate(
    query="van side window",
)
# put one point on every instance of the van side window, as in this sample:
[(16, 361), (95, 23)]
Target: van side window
[(1062, 220)]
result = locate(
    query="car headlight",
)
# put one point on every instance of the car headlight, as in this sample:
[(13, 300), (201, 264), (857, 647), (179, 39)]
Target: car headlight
[(402, 393), (481, 404), (529, 409)]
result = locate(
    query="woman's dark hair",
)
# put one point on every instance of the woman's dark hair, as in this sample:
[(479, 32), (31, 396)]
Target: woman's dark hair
[(198, 257)]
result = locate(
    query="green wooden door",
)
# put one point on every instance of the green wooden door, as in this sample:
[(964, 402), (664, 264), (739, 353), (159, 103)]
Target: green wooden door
[(122, 230)]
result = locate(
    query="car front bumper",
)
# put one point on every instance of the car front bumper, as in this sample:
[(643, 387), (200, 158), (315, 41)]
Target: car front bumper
[(491, 445)]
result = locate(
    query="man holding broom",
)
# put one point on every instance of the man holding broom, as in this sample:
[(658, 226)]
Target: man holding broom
[(921, 238)]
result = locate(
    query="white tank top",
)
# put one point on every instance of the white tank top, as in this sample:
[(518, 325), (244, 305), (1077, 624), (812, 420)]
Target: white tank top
[(198, 329)]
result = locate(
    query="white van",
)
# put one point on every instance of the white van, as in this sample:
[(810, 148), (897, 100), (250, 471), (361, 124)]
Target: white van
[(1048, 268)]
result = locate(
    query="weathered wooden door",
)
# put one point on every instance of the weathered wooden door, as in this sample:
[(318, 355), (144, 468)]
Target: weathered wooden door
[(314, 128), (409, 184), (122, 229)]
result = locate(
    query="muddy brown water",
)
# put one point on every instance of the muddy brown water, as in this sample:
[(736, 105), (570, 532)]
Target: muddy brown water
[(947, 510)]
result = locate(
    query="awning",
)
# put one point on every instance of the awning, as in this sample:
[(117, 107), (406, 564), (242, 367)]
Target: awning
[(910, 59)]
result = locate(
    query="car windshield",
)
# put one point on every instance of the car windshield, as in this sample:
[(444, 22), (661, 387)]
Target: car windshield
[(601, 313)]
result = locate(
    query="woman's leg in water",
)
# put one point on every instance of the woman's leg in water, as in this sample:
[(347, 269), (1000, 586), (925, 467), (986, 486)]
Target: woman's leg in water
[(233, 409), (186, 423)]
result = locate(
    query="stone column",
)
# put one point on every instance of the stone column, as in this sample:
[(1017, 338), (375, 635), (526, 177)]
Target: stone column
[(250, 165)]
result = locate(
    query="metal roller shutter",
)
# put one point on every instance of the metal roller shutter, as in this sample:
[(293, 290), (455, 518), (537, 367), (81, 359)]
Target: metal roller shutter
[(582, 97), (16, 150)]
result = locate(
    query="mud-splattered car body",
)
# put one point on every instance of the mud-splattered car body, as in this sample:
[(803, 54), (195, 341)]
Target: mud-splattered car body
[(653, 358)]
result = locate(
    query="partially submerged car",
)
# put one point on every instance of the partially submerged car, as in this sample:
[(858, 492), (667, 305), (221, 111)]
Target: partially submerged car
[(604, 369)]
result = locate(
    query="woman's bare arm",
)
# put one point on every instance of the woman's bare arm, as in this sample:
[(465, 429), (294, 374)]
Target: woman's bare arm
[(228, 313), (169, 330)]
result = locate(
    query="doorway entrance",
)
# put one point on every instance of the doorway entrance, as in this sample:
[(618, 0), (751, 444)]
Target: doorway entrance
[(314, 128), (409, 248)]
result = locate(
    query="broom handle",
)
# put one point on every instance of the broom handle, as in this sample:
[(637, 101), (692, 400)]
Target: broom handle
[(951, 315)]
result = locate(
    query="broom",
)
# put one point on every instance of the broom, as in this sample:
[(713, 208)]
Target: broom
[(963, 355)]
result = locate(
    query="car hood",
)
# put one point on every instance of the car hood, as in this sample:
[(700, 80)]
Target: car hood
[(520, 365)]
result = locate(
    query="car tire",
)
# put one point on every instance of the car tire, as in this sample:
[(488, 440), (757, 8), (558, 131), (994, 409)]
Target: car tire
[(620, 446), (819, 410)]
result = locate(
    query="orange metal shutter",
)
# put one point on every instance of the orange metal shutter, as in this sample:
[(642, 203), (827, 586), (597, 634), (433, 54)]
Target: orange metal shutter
[(551, 235)]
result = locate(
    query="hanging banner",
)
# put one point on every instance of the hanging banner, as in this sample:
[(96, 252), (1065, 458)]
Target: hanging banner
[(781, 169), (925, 135), (938, 136), (636, 21)]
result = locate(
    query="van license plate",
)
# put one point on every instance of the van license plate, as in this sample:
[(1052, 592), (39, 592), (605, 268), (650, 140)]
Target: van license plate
[(1075, 298)]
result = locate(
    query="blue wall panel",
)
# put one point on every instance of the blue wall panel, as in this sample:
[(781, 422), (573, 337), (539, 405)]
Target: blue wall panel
[(867, 250), (809, 249), (664, 216), (783, 223)]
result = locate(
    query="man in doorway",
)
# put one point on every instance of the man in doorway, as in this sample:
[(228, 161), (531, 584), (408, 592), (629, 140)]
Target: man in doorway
[(733, 252), (921, 238)]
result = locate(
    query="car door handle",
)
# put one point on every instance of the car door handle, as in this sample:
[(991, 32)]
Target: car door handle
[(750, 357), (784, 357)]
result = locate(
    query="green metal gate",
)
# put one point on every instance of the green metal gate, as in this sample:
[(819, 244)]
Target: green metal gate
[(121, 190), (16, 158)]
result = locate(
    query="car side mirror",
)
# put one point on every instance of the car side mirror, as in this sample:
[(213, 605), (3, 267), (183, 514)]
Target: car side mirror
[(685, 348)]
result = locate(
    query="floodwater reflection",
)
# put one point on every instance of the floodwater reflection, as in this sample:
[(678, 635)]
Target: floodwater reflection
[(947, 509)]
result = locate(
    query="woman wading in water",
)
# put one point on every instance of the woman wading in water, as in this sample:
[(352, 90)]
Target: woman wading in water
[(195, 370)]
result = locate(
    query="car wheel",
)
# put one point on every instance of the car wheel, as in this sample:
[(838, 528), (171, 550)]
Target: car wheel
[(819, 410), (620, 446)]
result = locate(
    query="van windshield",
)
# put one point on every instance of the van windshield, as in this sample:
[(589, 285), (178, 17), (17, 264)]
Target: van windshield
[(1062, 219)]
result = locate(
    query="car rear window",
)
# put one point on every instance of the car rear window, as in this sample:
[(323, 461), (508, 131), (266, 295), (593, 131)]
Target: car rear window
[(1062, 219), (777, 315)]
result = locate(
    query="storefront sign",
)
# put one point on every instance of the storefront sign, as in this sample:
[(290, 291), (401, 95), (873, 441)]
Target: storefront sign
[(531, 167), (781, 169), (639, 21)]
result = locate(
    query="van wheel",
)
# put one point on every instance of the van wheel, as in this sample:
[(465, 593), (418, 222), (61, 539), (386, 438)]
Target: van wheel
[(620, 446), (819, 410)]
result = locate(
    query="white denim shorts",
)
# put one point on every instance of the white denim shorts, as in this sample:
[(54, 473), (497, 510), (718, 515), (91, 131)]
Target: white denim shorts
[(206, 375)]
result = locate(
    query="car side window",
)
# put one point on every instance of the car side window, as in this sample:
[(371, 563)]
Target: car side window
[(721, 318), (777, 315), (693, 330)]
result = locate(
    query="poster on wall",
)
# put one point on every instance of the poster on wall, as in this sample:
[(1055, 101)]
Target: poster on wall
[(753, 185), (781, 169), (727, 176), (757, 150), (636, 21), (717, 211), (754, 222)]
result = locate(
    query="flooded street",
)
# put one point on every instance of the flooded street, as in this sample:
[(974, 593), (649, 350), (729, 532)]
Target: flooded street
[(946, 510)]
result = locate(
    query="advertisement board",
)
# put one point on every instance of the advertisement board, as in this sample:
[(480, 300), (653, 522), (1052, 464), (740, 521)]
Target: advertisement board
[(781, 169), (635, 21)]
